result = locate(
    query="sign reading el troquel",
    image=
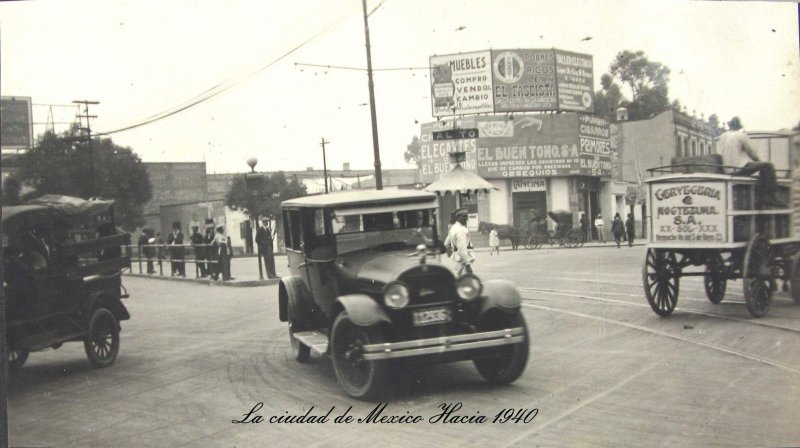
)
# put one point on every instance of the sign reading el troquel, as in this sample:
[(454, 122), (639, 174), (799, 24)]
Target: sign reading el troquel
[(525, 80)]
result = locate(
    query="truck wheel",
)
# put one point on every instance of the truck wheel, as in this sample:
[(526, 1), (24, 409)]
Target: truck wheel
[(507, 362), (360, 378), (16, 359), (102, 341), (300, 351)]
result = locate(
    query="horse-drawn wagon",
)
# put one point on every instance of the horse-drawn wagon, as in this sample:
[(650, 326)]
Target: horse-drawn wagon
[(705, 221), (564, 233)]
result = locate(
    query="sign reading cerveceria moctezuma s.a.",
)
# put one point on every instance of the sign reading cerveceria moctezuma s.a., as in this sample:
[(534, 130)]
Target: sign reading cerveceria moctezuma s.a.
[(498, 81)]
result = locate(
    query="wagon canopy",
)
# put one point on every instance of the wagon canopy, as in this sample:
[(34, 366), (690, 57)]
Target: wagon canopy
[(560, 216)]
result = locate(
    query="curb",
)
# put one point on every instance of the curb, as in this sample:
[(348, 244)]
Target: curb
[(205, 281)]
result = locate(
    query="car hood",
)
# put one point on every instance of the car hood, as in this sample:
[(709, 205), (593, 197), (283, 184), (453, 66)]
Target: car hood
[(374, 266)]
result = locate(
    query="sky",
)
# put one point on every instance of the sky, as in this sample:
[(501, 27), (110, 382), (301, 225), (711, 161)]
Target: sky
[(142, 59)]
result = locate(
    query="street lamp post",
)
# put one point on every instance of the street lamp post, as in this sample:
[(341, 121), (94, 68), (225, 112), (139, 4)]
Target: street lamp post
[(251, 189)]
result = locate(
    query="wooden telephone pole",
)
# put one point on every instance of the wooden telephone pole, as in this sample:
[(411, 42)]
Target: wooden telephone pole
[(87, 131)]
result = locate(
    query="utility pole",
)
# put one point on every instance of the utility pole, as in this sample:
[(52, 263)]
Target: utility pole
[(88, 131), (324, 164), (375, 147)]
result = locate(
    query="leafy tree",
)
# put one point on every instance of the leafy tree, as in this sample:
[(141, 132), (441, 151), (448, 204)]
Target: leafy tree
[(412, 152), (713, 121), (65, 164), (261, 196), (646, 81)]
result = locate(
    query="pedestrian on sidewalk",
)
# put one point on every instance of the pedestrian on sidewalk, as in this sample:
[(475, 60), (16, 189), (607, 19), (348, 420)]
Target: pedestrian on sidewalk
[(176, 250), (460, 244), (600, 226), (494, 241), (199, 250), (629, 229), (223, 253), (617, 229)]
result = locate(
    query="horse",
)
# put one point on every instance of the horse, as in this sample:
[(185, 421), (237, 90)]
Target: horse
[(504, 232)]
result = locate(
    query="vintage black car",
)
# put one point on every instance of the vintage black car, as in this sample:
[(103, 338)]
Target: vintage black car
[(367, 288), (62, 260)]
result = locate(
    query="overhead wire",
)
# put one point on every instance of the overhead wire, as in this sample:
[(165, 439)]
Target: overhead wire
[(226, 85)]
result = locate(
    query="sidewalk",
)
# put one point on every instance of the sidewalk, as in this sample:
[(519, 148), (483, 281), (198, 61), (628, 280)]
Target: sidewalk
[(244, 270)]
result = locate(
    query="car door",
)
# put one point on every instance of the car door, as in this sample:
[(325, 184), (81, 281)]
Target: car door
[(319, 255)]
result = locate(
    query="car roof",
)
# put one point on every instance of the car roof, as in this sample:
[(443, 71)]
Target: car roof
[(361, 197)]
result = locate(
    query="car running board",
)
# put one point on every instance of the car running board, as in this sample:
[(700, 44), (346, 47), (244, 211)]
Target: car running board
[(315, 340)]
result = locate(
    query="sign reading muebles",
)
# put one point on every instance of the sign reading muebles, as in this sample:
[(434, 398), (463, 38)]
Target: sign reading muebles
[(499, 81), (521, 147)]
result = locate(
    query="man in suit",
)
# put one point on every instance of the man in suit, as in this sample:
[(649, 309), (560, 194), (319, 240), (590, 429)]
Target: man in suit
[(264, 239), (176, 250), (199, 250)]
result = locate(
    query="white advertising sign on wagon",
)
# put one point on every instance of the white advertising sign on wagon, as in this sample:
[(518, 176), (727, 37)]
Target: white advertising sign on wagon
[(688, 212)]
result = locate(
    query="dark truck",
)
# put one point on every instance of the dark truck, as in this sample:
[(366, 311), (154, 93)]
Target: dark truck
[(366, 288), (62, 261)]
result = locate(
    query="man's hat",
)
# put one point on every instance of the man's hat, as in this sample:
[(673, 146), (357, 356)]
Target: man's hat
[(461, 212), (195, 227)]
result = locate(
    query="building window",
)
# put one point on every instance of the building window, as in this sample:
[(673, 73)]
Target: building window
[(693, 149)]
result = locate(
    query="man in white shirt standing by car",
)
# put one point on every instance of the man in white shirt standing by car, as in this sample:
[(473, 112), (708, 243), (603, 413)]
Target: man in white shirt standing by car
[(736, 150), (459, 243)]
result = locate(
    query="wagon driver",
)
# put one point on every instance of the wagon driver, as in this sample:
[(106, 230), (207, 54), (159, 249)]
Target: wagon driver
[(458, 240)]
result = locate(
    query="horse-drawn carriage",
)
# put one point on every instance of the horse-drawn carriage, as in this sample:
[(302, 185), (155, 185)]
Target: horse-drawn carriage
[(564, 233), (707, 222)]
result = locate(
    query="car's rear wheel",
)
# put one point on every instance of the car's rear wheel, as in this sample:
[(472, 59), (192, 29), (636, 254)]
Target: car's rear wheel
[(507, 362), (16, 359), (102, 342), (360, 378)]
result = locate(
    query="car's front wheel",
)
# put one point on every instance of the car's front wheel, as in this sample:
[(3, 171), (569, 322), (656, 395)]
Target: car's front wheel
[(360, 378), (102, 342), (507, 362), (16, 359)]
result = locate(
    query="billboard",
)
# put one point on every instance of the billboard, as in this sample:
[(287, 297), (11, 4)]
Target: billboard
[(528, 146), (16, 125), (520, 80)]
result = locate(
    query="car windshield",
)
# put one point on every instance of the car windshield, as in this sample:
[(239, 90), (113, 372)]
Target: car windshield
[(383, 231)]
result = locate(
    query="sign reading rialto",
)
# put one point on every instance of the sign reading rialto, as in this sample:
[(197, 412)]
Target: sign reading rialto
[(690, 212), (526, 80), (461, 84)]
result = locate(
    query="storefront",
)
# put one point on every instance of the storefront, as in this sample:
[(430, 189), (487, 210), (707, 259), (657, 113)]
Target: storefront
[(538, 163)]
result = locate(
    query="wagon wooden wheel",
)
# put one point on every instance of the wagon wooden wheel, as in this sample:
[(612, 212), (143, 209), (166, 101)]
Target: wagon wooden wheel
[(715, 279), (661, 278), (757, 276)]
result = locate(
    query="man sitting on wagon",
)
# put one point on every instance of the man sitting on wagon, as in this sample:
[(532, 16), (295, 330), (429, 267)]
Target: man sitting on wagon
[(736, 150)]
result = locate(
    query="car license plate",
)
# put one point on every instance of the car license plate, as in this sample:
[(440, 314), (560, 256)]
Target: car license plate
[(431, 316)]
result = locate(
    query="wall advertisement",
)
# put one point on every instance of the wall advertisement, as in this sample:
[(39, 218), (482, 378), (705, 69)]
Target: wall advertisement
[(519, 80), (16, 127), (688, 212), (521, 147), (795, 193)]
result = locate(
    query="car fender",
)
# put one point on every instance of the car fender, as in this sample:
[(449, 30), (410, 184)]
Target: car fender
[(501, 295), (291, 288), (363, 309), (106, 300)]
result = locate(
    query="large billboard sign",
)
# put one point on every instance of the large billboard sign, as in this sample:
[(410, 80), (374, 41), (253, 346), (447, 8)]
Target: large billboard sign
[(521, 80), (529, 146), (16, 125)]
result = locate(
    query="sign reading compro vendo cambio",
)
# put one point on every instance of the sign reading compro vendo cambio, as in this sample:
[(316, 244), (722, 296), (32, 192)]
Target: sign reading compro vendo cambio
[(688, 212), (498, 81)]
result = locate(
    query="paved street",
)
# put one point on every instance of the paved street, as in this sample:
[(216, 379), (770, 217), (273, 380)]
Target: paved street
[(604, 370)]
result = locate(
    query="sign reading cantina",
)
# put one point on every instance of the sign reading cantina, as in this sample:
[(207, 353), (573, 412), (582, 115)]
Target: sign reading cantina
[(568, 144)]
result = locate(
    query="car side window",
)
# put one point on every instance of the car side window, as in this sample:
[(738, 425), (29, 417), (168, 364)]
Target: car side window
[(291, 222)]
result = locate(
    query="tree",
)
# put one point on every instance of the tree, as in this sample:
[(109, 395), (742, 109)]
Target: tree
[(412, 151), (713, 121), (263, 199), (69, 165), (647, 82)]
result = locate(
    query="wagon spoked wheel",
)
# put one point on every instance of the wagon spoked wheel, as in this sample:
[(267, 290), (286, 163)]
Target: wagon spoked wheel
[(794, 278), (300, 351), (535, 241), (715, 279), (102, 341), (661, 279), (575, 238), (757, 276), (16, 359), (360, 378)]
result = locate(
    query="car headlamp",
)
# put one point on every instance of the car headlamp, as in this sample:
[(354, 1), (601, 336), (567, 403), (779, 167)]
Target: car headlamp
[(395, 295), (468, 287)]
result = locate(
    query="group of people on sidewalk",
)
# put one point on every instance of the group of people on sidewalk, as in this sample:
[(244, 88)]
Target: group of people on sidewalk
[(212, 250)]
